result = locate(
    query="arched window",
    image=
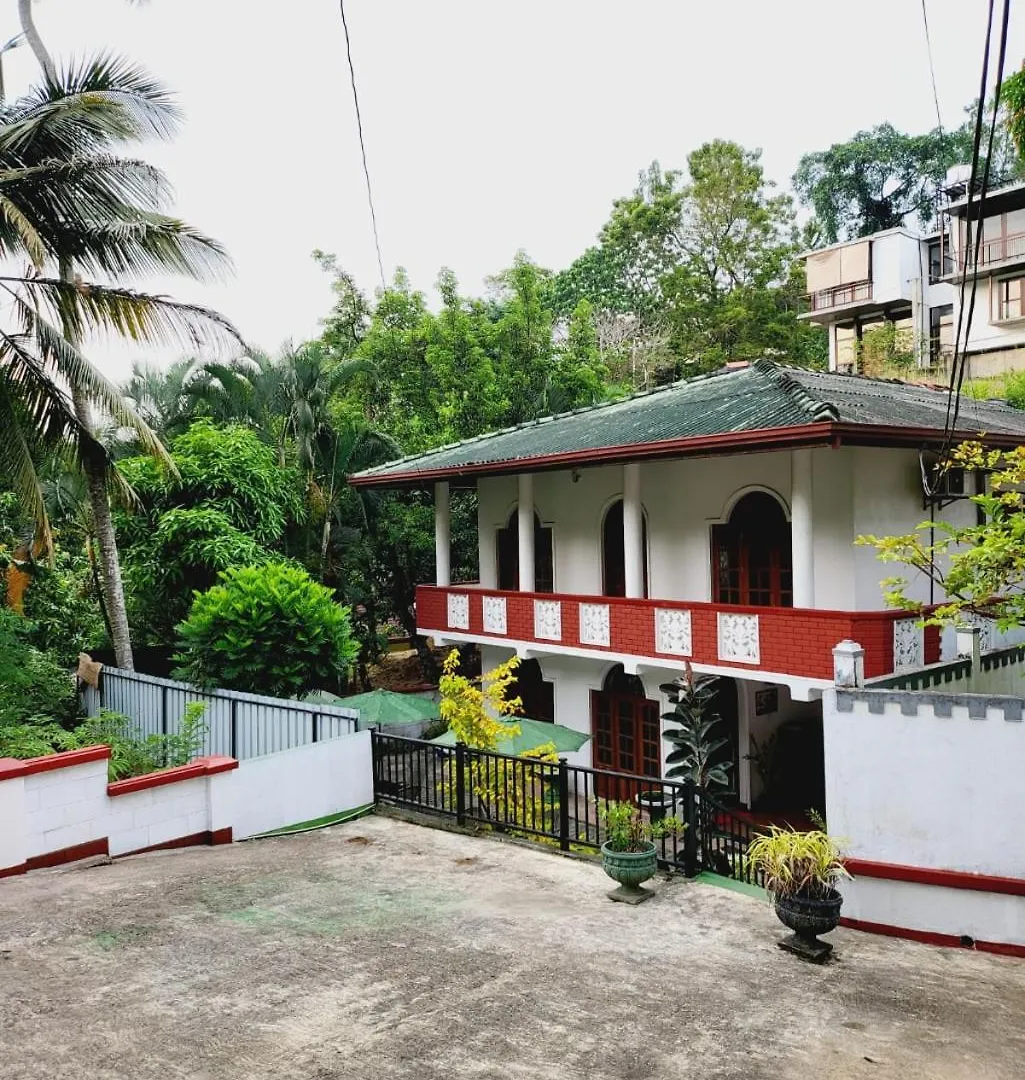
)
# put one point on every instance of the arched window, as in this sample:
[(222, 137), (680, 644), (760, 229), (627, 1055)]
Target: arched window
[(752, 559), (509, 556), (537, 695), (626, 733), (613, 555)]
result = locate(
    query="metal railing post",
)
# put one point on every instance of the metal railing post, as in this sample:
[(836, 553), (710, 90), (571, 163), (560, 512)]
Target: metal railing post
[(563, 805), (234, 728), (460, 783), (690, 833)]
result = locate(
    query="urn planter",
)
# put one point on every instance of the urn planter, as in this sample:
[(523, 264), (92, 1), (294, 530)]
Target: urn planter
[(630, 869), (808, 917)]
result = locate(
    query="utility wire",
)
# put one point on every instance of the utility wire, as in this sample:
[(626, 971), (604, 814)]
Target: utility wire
[(932, 69), (958, 364), (362, 145), (1001, 57)]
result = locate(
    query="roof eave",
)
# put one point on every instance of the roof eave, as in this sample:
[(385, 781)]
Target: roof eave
[(804, 435)]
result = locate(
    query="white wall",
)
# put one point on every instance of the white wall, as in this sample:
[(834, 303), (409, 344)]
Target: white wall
[(153, 816), (922, 789), (65, 807), (302, 784), (894, 264)]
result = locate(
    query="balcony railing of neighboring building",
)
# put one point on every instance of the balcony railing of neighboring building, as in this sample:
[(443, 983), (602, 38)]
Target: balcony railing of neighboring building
[(840, 296), (787, 641), (998, 250)]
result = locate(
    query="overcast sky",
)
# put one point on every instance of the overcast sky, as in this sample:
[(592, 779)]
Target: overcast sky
[(490, 125)]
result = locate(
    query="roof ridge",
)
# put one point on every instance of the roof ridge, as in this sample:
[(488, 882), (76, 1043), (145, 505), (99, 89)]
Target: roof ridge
[(821, 411), (524, 424)]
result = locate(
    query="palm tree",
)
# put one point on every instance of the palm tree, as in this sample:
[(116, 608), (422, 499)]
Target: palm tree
[(161, 396), (69, 204)]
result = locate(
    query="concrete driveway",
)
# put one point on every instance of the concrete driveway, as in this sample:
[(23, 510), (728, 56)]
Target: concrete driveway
[(381, 949)]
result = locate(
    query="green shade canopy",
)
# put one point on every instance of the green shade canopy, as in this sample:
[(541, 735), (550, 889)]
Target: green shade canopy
[(383, 707), (533, 733)]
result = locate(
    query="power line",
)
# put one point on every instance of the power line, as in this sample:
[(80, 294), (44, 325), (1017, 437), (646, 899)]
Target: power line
[(957, 371), (362, 145), (932, 69)]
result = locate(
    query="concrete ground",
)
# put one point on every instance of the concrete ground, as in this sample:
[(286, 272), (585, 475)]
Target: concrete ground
[(382, 949)]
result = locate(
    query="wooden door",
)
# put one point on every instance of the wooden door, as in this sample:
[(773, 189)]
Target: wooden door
[(626, 734)]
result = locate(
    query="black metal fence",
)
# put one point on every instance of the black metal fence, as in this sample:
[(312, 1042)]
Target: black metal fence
[(558, 803)]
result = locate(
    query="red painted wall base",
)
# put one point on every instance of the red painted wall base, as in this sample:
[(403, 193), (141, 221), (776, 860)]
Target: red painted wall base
[(929, 937), (93, 848)]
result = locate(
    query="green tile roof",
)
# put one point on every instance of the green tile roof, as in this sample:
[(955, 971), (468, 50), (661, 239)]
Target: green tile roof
[(761, 396)]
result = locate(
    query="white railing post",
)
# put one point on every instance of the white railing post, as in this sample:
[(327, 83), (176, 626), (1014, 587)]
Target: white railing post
[(801, 533), (633, 531), (848, 665)]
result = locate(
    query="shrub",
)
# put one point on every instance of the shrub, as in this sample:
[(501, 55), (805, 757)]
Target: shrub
[(269, 630), (32, 683)]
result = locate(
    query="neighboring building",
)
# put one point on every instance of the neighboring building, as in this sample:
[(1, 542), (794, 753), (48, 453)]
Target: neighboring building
[(710, 522), (893, 277), (995, 342), (914, 283)]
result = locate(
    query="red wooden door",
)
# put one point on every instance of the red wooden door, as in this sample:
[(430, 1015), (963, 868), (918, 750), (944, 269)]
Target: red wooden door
[(626, 736)]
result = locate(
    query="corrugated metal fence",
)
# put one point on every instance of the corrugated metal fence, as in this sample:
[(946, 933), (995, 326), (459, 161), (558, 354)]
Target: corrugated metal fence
[(239, 725)]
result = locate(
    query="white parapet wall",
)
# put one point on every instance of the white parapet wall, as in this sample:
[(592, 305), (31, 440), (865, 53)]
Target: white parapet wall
[(923, 790), (302, 784), (60, 808)]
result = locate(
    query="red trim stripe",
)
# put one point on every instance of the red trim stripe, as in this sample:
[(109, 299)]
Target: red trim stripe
[(208, 837), (11, 767), (930, 937), (947, 879), (207, 766), (87, 850)]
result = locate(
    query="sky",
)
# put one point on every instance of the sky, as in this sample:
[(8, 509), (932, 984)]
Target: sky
[(491, 126)]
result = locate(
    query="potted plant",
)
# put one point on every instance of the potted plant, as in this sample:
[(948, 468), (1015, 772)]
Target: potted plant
[(801, 871), (658, 803), (628, 854)]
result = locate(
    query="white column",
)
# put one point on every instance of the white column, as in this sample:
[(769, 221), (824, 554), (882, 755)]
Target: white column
[(525, 525), (442, 534), (633, 530), (801, 534), (831, 338)]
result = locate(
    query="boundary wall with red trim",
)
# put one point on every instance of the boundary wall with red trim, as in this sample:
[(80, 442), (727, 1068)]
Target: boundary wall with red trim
[(61, 808), (923, 791)]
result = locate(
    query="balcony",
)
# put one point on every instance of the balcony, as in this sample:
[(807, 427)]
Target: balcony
[(998, 252), (839, 296), (791, 642)]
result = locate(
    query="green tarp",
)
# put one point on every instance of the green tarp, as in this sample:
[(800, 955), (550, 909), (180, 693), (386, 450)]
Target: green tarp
[(533, 733)]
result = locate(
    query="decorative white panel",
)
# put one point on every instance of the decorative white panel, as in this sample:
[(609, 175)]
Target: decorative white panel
[(738, 638), (987, 632), (594, 624), (494, 615), (672, 631), (548, 620), (458, 611), (908, 645)]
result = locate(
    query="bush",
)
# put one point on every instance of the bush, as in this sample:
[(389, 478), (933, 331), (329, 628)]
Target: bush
[(32, 684), (62, 606), (269, 630)]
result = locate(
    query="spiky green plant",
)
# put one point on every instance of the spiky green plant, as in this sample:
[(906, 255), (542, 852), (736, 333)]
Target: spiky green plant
[(797, 863)]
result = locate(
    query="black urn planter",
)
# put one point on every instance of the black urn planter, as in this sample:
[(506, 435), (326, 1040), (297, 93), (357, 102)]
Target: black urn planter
[(659, 804), (808, 917)]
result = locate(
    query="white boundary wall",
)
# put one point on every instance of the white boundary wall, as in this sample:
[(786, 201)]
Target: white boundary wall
[(923, 790), (60, 808), (303, 784)]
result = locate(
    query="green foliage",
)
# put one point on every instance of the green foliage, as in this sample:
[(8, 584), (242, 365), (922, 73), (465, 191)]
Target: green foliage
[(184, 554), (131, 754), (1009, 386), (694, 752), (980, 567), (268, 630), (877, 178), (1012, 97), (626, 830), (32, 683), (807, 864), (888, 350)]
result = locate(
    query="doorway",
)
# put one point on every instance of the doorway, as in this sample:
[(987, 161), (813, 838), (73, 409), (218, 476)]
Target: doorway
[(626, 730), (752, 556), (613, 552)]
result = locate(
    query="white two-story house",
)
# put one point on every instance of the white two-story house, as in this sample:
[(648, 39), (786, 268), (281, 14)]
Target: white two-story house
[(712, 522)]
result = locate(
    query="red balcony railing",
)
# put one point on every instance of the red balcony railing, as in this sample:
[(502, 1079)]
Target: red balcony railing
[(786, 641), (840, 296)]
